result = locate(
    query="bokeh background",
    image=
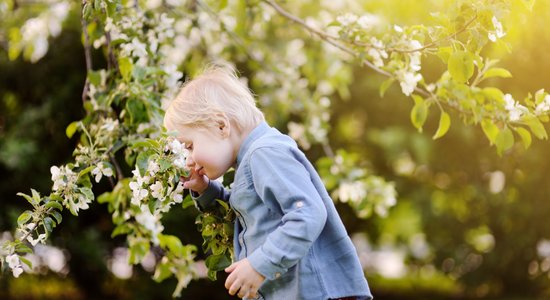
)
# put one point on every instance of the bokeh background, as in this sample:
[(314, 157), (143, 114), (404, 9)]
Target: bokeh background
[(468, 224)]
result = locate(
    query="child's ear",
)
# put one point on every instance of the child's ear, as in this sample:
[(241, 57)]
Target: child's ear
[(224, 125)]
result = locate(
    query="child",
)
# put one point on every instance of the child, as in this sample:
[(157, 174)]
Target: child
[(289, 241)]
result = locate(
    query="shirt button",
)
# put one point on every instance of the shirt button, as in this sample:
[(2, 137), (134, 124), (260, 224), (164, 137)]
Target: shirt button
[(241, 240), (299, 204), (277, 275)]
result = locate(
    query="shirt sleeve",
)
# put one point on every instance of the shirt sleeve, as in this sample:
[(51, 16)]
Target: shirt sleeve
[(279, 176), (207, 200)]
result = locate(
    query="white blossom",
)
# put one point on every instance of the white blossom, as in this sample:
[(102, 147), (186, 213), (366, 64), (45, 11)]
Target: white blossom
[(347, 19), (498, 31), (173, 75), (110, 124), (408, 81), (544, 106), (177, 195), (515, 110), (157, 190), (13, 261), (377, 52), (100, 170), (153, 167), (40, 238), (368, 21), (175, 147), (62, 177), (352, 191), (150, 222), (81, 202), (17, 271), (180, 163)]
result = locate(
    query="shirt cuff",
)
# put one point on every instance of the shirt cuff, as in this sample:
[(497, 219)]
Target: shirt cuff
[(261, 263), (207, 199)]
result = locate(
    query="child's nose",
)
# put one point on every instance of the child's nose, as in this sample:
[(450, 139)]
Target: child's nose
[(189, 162)]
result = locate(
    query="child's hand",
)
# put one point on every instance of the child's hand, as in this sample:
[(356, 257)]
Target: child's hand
[(244, 279), (196, 181)]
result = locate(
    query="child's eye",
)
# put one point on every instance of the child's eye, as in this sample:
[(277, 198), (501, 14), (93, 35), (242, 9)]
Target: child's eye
[(189, 147)]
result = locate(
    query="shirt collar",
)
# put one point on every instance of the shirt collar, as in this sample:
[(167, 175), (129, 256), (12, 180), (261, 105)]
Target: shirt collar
[(256, 133)]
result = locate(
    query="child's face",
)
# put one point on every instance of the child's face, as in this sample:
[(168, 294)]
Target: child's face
[(211, 153)]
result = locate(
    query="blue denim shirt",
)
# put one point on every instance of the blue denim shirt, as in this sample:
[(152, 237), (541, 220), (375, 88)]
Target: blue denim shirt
[(288, 226)]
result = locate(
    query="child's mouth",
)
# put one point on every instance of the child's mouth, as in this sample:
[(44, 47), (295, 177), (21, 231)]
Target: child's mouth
[(200, 171)]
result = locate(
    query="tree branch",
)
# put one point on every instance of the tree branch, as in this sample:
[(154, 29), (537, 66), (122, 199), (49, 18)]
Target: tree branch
[(330, 39), (87, 54)]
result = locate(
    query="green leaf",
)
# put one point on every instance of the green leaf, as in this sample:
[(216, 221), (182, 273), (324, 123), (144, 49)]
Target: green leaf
[(56, 215), (171, 242), (138, 250), (94, 77), (444, 53), (497, 72), (187, 202), (49, 224), (419, 112), (385, 85), (121, 229), (143, 161), (493, 94), (125, 66), (528, 4), (86, 171), (24, 217), (504, 140), (536, 127), (444, 124), (162, 272), (54, 204), (26, 261), (461, 66), (27, 197), (490, 129), (217, 262), (71, 129), (525, 136), (22, 248), (36, 196), (87, 192), (137, 111), (222, 4)]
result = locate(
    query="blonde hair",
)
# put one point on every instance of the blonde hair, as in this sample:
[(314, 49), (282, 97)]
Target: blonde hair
[(205, 100)]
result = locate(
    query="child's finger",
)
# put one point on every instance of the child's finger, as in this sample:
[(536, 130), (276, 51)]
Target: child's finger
[(234, 288), (231, 268)]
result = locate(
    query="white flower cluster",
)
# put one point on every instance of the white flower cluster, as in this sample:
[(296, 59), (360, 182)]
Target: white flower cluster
[(515, 110), (352, 191), (179, 151), (498, 32), (15, 264), (544, 106), (31, 227), (366, 21), (377, 52), (64, 179), (101, 170), (156, 185), (64, 184), (150, 222), (409, 76), (35, 31)]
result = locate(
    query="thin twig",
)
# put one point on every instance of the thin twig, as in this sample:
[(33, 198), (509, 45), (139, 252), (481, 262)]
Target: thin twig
[(427, 46), (329, 39), (87, 55)]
